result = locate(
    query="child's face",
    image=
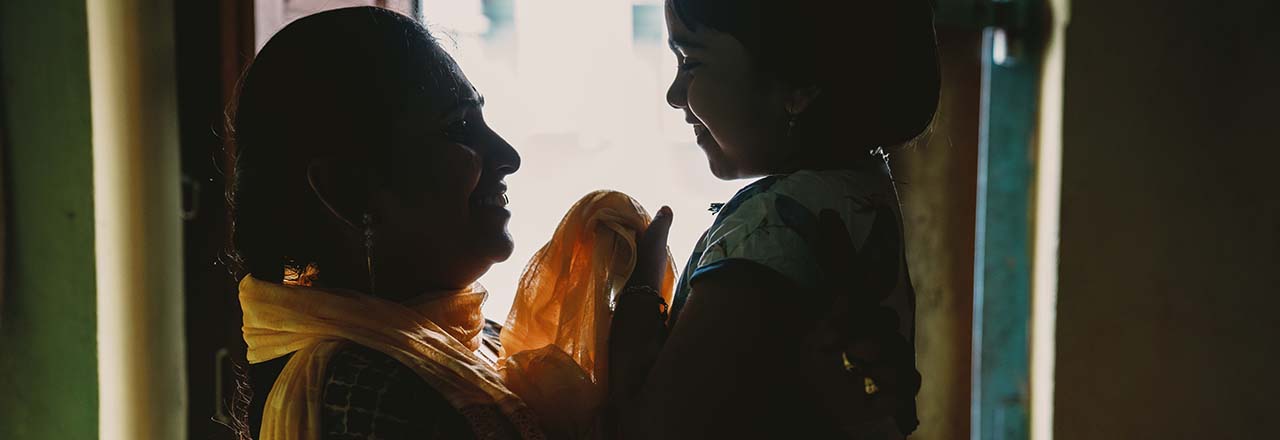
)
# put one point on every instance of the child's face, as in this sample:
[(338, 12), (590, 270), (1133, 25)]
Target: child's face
[(738, 116)]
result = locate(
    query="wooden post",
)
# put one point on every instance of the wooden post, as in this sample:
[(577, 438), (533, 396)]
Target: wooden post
[(138, 230)]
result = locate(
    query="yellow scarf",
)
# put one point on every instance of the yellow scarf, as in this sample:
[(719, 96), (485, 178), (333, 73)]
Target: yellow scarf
[(433, 337), (554, 341)]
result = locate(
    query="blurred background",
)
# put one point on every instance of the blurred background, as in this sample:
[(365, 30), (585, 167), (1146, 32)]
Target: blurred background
[(1093, 224)]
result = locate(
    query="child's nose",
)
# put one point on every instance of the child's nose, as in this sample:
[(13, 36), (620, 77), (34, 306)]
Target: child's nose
[(678, 93)]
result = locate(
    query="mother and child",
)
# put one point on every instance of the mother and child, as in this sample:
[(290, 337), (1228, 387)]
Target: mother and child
[(369, 198)]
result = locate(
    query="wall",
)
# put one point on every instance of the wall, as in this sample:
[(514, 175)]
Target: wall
[(48, 350), (1170, 251), (138, 226), (938, 186)]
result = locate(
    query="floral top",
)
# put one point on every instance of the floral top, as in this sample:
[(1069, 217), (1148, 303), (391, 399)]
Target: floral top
[(773, 222)]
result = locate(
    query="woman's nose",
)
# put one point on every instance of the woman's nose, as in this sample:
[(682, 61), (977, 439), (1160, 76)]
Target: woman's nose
[(502, 157)]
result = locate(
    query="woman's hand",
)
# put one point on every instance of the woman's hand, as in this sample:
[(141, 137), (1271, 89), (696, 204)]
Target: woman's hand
[(865, 369)]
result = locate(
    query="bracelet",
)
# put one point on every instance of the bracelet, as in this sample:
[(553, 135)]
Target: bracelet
[(641, 291)]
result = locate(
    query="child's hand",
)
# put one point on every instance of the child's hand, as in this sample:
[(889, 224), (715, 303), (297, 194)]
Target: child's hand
[(635, 335), (651, 252)]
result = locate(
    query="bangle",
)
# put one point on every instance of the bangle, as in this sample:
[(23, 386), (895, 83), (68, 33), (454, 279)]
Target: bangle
[(641, 291)]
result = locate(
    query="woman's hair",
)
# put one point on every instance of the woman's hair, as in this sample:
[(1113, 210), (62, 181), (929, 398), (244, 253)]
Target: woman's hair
[(875, 62), (330, 84)]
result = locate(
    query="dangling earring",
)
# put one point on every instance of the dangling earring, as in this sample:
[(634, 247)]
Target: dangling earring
[(368, 248), (791, 122)]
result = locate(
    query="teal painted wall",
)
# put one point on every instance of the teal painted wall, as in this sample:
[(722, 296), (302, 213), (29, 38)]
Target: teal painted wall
[(48, 348)]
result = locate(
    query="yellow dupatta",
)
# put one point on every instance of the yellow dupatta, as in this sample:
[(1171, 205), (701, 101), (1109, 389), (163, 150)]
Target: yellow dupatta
[(554, 341), (434, 337)]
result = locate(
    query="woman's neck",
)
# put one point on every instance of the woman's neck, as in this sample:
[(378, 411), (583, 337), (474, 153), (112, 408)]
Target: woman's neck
[(392, 287)]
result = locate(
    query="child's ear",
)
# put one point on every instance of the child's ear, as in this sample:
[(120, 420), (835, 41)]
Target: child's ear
[(799, 99), (341, 188)]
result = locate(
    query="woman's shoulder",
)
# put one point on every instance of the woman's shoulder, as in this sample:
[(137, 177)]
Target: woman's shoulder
[(774, 222), (368, 394)]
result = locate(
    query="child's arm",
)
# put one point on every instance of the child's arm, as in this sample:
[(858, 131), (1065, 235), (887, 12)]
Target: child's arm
[(744, 325), (728, 365)]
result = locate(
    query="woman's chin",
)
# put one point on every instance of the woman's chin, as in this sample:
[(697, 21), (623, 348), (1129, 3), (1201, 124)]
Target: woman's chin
[(498, 248)]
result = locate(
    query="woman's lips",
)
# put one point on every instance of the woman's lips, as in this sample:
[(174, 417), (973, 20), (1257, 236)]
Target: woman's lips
[(496, 200), (495, 197)]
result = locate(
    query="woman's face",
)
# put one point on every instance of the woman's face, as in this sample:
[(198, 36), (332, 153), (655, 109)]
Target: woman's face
[(442, 217), (737, 115)]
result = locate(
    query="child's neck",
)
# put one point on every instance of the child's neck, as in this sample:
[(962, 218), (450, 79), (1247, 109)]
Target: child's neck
[(828, 158)]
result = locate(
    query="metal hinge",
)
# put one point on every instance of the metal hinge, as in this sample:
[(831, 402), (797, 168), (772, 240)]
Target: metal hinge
[(1013, 23), (190, 198)]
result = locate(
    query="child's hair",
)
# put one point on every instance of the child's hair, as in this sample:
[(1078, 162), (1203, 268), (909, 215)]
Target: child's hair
[(875, 62)]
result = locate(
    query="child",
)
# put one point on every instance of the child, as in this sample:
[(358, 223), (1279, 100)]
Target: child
[(769, 333)]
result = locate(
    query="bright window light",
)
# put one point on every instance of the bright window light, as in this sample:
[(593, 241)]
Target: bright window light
[(579, 88)]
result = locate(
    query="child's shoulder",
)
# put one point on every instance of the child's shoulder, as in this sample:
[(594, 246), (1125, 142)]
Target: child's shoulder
[(812, 190), (774, 221), (817, 190)]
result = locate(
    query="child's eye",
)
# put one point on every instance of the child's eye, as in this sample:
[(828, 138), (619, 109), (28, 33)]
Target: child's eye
[(688, 65)]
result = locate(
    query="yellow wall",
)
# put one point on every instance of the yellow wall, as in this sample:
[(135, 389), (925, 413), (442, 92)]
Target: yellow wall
[(138, 226), (938, 186)]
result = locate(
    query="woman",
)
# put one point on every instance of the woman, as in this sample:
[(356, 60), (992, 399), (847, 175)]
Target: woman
[(795, 313), (368, 198)]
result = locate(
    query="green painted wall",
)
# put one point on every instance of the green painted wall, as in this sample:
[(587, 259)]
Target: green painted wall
[(48, 349)]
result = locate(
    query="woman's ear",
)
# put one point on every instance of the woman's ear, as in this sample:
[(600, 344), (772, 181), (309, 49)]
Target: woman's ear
[(341, 188), (800, 98)]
